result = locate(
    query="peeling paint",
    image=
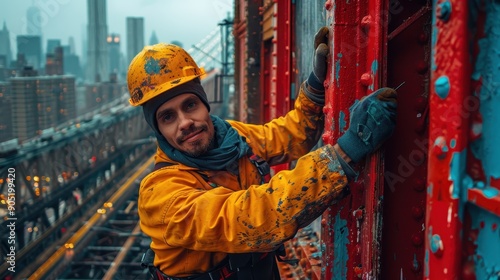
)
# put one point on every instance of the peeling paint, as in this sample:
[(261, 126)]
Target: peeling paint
[(374, 73), (490, 192), (152, 66), (487, 68), (342, 122), (337, 69), (457, 171), (340, 250), (415, 262), (488, 243), (426, 264)]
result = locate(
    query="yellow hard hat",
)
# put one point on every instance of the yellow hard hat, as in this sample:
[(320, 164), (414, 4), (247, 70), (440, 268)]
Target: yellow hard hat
[(158, 68)]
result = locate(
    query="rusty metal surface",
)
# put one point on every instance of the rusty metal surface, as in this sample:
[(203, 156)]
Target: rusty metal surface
[(351, 228), (408, 61)]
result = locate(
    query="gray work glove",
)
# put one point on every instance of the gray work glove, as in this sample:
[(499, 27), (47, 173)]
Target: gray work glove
[(372, 121), (318, 75)]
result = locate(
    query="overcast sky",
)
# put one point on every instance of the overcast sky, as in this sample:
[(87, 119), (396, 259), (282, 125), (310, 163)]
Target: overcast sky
[(187, 21)]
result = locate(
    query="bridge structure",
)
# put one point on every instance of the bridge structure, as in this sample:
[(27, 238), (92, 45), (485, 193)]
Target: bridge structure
[(52, 184), (49, 182)]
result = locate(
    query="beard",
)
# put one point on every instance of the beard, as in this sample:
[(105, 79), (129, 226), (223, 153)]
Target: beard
[(198, 147)]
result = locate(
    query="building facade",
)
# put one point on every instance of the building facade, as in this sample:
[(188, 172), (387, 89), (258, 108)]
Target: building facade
[(6, 109), (31, 47), (41, 102), (135, 37), (97, 49)]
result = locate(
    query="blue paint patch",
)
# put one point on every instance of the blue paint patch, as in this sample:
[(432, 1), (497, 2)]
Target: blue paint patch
[(429, 189), (152, 66), (457, 170), (445, 8), (435, 243), (490, 192), (341, 239), (337, 69), (426, 263), (435, 32), (486, 69), (342, 122), (487, 243), (374, 73), (415, 262), (453, 143), (457, 175), (442, 86)]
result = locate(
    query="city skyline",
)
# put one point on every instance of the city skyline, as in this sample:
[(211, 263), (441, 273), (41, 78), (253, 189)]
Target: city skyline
[(191, 20)]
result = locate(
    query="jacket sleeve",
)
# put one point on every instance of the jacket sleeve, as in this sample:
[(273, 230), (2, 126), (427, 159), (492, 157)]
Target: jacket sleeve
[(286, 138), (258, 219)]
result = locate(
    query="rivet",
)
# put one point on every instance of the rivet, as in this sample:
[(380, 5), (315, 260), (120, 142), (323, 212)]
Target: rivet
[(442, 86), (422, 67), (443, 11), (366, 79), (420, 104), (422, 38), (419, 185), (358, 214), (358, 271), (436, 245), (417, 212), (417, 239), (440, 149), (366, 21)]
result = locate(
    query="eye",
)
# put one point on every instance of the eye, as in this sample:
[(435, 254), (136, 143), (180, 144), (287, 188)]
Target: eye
[(167, 117), (191, 105)]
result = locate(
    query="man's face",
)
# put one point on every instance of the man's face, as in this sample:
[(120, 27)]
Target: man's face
[(185, 122)]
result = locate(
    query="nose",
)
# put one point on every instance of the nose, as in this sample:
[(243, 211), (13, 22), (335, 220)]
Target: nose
[(185, 122)]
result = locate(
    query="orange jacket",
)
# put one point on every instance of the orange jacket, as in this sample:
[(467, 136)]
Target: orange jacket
[(194, 222)]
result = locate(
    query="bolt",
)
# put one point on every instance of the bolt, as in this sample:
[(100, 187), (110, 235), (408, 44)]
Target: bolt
[(417, 239), (417, 212), (366, 79), (422, 67), (437, 246), (422, 38), (443, 11), (366, 22), (358, 214), (440, 149), (419, 185), (358, 271), (442, 86), (420, 104)]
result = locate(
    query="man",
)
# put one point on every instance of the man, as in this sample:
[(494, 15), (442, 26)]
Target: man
[(206, 206)]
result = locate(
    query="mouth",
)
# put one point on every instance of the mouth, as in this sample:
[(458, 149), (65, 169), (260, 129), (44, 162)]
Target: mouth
[(192, 136)]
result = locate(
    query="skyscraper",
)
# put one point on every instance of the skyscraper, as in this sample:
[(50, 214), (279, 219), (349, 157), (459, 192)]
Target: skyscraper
[(41, 102), (31, 47), (6, 108), (5, 45), (97, 51), (52, 44), (114, 53), (54, 63), (135, 37), (34, 24)]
